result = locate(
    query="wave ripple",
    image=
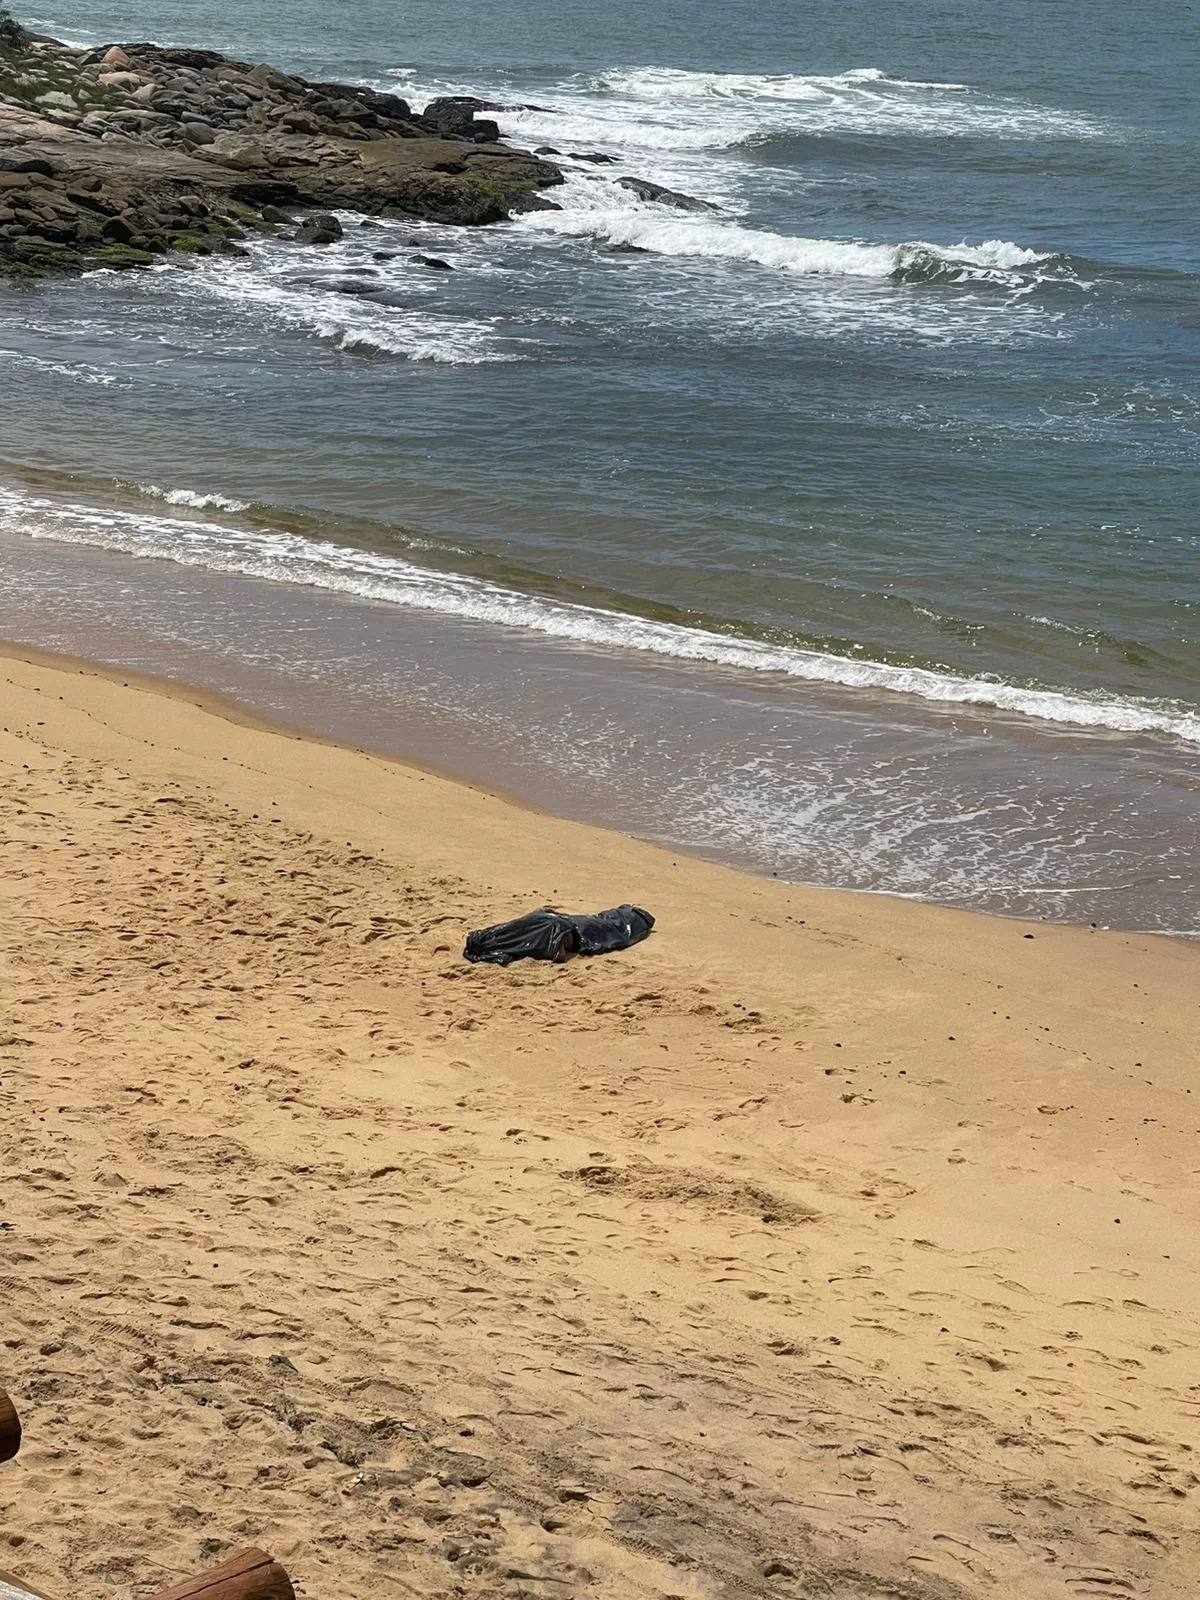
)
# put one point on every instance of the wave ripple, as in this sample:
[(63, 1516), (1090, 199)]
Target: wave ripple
[(284, 557)]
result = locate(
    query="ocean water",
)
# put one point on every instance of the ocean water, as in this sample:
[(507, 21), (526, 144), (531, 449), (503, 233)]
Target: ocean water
[(847, 530)]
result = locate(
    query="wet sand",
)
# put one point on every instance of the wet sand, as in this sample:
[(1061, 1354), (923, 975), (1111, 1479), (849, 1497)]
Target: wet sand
[(826, 785), (823, 1244)]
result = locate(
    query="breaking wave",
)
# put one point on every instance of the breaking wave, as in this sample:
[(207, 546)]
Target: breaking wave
[(194, 501), (284, 557), (596, 207), (667, 109), (654, 229)]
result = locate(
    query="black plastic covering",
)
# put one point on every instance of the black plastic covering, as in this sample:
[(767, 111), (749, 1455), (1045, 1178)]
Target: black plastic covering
[(553, 936)]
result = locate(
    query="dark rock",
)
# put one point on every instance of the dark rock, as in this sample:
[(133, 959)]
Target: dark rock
[(645, 190), (354, 286), (533, 202), (195, 59), (485, 132), (438, 197), (454, 115), (265, 192), (275, 215), (594, 157), (33, 164), (119, 230), (324, 229), (547, 150), (389, 107), (434, 261)]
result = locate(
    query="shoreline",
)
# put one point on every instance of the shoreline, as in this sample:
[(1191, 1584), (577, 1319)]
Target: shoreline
[(230, 708), (888, 1201), (773, 778)]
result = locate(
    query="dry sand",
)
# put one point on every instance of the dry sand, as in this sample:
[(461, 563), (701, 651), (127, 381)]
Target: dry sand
[(823, 1245)]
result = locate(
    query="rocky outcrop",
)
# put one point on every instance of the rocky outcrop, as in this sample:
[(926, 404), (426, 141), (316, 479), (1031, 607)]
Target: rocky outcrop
[(456, 117), (657, 192), (114, 156)]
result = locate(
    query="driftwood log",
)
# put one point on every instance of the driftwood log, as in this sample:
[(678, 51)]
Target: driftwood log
[(10, 1428), (247, 1575)]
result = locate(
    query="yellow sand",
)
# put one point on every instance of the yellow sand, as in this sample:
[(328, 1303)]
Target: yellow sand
[(823, 1245)]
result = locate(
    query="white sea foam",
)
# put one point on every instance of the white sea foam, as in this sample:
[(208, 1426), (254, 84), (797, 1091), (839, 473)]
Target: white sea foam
[(75, 371), (191, 499), (596, 207), (287, 558), (658, 122), (282, 285), (665, 109)]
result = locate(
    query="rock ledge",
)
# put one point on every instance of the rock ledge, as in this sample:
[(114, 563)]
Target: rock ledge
[(115, 156)]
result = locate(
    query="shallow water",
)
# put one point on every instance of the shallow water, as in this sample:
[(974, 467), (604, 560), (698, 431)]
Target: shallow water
[(868, 498)]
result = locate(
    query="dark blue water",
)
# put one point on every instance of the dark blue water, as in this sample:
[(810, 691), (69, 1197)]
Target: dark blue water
[(914, 412)]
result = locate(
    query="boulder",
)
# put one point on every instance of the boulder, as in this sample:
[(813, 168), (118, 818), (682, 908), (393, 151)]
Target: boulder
[(322, 229), (435, 262), (454, 115), (299, 122)]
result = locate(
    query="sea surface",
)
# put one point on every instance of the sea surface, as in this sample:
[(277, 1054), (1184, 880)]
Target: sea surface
[(847, 531)]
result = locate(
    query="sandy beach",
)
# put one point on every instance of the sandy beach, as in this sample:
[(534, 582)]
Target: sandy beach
[(825, 1244)]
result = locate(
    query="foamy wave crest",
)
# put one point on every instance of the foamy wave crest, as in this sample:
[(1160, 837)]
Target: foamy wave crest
[(672, 83), (663, 110), (287, 558), (594, 207), (863, 99), (194, 501)]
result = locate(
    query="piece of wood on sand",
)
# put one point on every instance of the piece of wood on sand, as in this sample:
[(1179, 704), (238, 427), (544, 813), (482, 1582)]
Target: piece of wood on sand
[(247, 1575), (12, 1589), (10, 1428)]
